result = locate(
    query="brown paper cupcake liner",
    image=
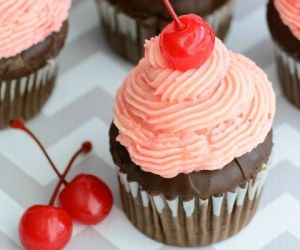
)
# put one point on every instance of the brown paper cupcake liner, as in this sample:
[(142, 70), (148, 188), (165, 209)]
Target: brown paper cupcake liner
[(288, 70), (194, 222), (24, 97), (127, 34)]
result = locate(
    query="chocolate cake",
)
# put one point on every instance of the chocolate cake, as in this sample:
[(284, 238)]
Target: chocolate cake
[(32, 35), (191, 136), (287, 54), (27, 79)]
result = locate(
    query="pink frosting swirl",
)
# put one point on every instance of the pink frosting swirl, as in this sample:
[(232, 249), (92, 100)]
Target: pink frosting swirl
[(289, 11), (24, 23), (175, 122)]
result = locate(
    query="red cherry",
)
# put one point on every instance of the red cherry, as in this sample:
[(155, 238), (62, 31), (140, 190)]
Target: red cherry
[(86, 199), (187, 42), (45, 227)]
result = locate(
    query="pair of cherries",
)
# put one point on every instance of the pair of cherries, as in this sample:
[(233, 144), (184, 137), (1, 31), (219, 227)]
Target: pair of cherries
[(86, 199)]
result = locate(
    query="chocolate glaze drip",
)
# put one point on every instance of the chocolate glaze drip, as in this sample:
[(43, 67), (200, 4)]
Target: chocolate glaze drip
[(157, 7), (281, 33), (200, 184), (33, 58)]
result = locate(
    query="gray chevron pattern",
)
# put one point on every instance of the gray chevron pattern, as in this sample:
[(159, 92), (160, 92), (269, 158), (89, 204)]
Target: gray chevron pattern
[(81, 108), (284, 241)]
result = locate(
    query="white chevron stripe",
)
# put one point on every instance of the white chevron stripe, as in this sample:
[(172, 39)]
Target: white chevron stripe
[(72, 86), (249, 31), (77, 26), (272, 74), (275, 219), (118, 230), (24, 153), (10, 214), (286, 145), (77, 228), (94, 130)]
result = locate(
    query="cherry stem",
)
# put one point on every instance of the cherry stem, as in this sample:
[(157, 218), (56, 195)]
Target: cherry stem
[(19, 124), (173, 14), (86, 147)]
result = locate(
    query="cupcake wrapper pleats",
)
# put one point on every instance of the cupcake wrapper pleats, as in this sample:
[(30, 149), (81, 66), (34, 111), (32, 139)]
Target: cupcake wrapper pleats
[(288, 70), (193, 222), (127, 34), (24, 97)]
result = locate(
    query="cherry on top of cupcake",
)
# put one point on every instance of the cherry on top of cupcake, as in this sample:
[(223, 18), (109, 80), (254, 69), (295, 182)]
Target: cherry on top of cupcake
[(187, 42)]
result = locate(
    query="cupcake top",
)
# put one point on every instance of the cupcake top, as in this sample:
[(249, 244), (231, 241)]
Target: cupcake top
[(179, 121), (289, 11), (24, 23)]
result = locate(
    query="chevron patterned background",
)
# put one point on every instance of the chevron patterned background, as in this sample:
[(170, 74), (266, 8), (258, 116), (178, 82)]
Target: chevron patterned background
[(81, 108)]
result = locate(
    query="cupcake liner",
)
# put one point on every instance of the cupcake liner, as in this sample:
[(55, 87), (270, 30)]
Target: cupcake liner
[(288, 70), (192, 222), (24, 97), (127, 34)]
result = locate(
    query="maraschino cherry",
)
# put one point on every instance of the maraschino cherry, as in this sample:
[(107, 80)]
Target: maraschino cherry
[(86, 198), (187, 42), (47, 226)]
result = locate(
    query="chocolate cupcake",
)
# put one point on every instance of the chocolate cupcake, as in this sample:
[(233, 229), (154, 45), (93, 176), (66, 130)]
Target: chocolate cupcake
[(283, 20), (191, 137), (32, 35), (127, 23)]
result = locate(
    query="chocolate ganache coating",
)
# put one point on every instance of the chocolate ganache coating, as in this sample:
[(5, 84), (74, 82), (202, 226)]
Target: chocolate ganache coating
[(281, 33), (157, 7), (35, 57), (196, 184)]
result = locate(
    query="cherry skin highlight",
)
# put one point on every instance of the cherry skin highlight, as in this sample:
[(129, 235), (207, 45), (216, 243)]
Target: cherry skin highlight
[(45, 227), (188, 47), (86, 199)]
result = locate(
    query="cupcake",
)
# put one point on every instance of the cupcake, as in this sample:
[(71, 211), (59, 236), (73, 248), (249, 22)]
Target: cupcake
[(191, 137), (32, 34), (284, 24), (127, 23)]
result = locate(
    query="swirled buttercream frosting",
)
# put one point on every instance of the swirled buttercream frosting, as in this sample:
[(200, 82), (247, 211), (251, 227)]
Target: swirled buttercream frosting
[(24, 23), (175, 122), (289, 11)]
